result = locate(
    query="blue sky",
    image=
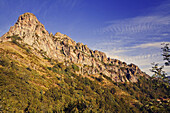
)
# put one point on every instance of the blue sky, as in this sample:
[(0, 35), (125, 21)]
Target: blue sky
[(129, 30)]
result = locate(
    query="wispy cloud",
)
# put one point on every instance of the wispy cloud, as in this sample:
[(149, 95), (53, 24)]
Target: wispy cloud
[(138, 40), (137, 52), (136, 27), (152, 27), (149, 45), (157, 20)]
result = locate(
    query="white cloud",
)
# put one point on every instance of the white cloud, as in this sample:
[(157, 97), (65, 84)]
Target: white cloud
[(146, 48), (165, 34), (148, 45)]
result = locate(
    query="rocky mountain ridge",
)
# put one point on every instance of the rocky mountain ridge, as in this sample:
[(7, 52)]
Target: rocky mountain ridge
[(62, 48)]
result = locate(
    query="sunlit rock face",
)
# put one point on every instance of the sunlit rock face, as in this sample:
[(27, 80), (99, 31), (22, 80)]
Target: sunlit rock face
[(62, 48)]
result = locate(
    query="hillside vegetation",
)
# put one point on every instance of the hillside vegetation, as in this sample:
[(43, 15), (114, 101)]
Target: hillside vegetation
[(32, 82)]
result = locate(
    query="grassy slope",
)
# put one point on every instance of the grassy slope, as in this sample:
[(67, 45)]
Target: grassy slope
[(30, 82)]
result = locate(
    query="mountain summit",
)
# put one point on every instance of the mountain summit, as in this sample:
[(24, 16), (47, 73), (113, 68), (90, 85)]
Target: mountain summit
[(62, 48), (26, 27)]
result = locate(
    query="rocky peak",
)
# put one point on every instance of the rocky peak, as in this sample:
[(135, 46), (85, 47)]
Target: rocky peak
[(27, 18), (62, 48), (27, 27)]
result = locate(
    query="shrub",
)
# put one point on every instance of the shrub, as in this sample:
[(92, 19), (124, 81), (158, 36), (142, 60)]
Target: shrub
[(43, 32), (75, 67), (14, 37), (49, 68), (100, 79), (4, 61), (28, 50), (29, 69)]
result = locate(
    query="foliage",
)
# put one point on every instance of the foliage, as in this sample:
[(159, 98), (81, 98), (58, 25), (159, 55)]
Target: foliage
[(43, 32), (158, 72), (75, 67), (26, 85), (14, 37), (166, 53)]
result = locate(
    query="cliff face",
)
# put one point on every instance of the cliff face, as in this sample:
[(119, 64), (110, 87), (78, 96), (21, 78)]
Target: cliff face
[(62, 48)]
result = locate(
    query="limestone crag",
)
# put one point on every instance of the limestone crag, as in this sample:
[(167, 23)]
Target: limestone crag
[(32, 32), (64, 49)]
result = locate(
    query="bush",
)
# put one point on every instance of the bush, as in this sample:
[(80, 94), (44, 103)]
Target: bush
[(4, 61), (14, 37), (100, 79), (49, 68), (28, 50), (75, 67), (43, 32), (29, 69)]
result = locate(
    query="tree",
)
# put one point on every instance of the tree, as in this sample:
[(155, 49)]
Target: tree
[(158, 70), (166, 53)]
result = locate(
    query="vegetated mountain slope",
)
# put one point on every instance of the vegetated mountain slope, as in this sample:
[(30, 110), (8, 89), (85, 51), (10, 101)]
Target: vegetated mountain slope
[(32, 82), (35, 79), (64, 49)]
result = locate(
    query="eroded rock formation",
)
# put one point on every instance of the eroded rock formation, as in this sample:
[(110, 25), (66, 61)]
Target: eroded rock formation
[(64, 49)]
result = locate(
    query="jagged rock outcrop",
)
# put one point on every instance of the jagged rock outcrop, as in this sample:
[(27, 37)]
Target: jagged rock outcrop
[(64, 49)]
